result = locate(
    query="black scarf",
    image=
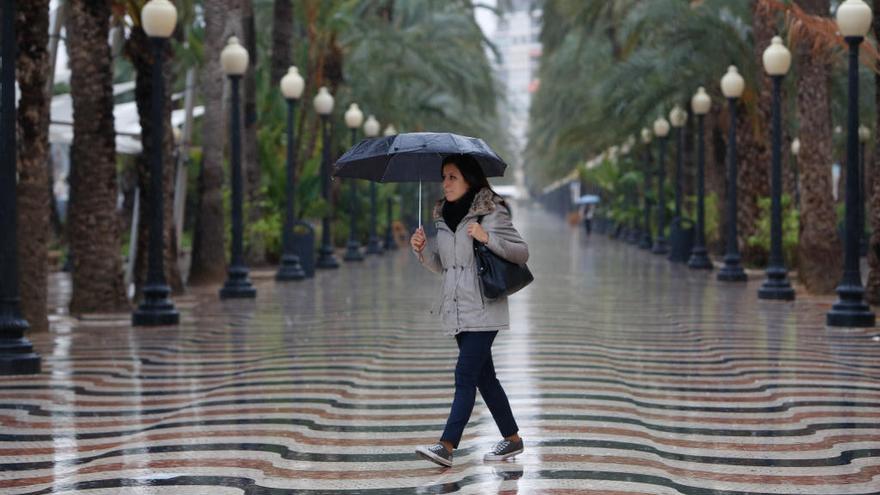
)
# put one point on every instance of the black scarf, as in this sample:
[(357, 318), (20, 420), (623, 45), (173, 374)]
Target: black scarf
[(455, 211)]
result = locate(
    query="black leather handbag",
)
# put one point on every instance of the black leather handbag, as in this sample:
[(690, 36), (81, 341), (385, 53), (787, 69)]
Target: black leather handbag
[(499, 277)]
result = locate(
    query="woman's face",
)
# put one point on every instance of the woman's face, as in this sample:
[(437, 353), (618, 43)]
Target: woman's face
[(454, 185)]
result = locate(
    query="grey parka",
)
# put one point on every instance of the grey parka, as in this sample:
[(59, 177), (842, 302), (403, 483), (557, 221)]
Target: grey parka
[(451, 254)]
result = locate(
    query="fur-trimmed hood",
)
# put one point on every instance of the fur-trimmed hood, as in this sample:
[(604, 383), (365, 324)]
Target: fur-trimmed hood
[(485, 202)]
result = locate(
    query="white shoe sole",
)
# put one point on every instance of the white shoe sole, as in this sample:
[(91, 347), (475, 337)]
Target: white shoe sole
[(427, 454), (490, 457)]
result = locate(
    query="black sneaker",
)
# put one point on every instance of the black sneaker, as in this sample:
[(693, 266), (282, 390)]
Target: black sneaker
[(503, 450), (436, 453)]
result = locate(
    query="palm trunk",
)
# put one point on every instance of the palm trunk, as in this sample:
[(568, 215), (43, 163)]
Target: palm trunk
[(208, 256), (94, 224), (139, 51), (255, 249), (872, 189), (715, 175), (282, 32), (819, 248), (32, 69), (753, 147)]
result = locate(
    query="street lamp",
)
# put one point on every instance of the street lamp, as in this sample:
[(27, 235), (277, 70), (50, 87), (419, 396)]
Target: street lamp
[(679, 253), (371, 130), (292, 86), (732, 86), (234, 60), (777, 61), (795, 151), (17, 356), (158, 18), (700, 105), (390, 130), (661, 130), (323, 103), (353, 119), (647, 241), (864, 136), (853, 20)]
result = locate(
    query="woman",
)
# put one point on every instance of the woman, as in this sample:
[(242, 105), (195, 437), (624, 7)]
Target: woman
[(470, 212)]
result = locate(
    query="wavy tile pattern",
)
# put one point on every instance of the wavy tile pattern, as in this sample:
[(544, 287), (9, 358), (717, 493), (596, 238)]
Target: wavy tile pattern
[(628, 375)]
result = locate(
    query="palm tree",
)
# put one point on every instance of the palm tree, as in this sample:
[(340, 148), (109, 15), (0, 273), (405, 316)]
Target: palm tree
[(32, 71), (819, 247), (256, 246), (222, 18), (872, 288), (94, 226)]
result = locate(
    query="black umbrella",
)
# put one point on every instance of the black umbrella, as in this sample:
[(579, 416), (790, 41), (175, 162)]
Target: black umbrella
[(414, 157)]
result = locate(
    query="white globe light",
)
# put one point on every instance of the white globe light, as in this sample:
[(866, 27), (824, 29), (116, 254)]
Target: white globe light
[(353, 116), (677, 117), (234, 58), (701, 103), (732, 84), (292, 84), (795, 146), (371, 127), (323, 101), (777, 58), (854, 18), (661, 127), (158, 18), (864, 133), (390, 130), (647, 135)]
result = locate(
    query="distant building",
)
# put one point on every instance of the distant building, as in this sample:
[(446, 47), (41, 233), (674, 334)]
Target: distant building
[(517, 38)]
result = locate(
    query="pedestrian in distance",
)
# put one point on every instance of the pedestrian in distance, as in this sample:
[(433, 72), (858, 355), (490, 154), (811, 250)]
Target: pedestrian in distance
[(471, 211)]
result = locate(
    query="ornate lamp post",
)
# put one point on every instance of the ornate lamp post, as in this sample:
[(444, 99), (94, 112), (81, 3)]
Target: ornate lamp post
[(700, 105), (647, 241), (17, 355), (323, 103), (678, 118), (159, 17), (732, 86), (371, 130), (661, 130), (353, 119), (854, 20), (234, 59), (777, 61), (292, 85), (864, 136)]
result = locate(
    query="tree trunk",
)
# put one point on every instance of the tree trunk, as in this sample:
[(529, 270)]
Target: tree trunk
[(94, 224), (282, 32), (139, 50), (255, 249), (32, 70), (753, 145), (819, 248), (208, 256), (715, 175), (872, 211)]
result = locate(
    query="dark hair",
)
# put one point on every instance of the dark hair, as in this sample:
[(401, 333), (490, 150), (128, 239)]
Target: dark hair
[(470, 170)]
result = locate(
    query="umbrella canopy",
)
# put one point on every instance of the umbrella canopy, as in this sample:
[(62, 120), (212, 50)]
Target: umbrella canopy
[(587, 199), (414, 157)]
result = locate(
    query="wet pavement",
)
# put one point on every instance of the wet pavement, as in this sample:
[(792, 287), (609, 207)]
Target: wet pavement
[(627, 375)]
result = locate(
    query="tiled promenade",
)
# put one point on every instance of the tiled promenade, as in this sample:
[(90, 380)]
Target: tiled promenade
[(626, 374)]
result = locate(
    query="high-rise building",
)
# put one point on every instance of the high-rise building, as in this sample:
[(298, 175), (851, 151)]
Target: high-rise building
[(516, 37)]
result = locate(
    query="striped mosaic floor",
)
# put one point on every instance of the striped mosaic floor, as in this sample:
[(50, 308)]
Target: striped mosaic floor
[(626, 374)]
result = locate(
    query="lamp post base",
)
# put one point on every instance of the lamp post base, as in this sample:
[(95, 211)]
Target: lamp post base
[(290, 269), (156, 309), (326, 258), (17, 356), (353, 252), (776, 287), (237, 285), (646, 241), (699, 260), (850, 310), (732, 271), (374, 246), (660, 246)]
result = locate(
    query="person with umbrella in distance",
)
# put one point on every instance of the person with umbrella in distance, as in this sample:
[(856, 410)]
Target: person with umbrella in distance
[(471, 211)]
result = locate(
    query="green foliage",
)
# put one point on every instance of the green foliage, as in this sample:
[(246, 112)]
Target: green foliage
[(712, 216), (790, 229)]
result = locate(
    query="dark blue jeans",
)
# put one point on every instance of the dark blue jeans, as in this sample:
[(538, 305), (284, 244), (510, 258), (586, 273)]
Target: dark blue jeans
[(473, 371)]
